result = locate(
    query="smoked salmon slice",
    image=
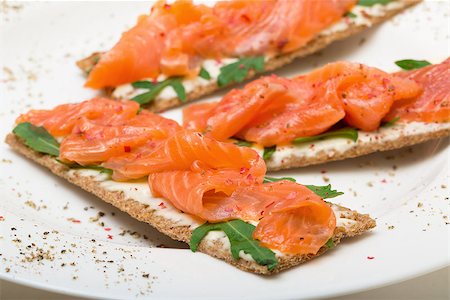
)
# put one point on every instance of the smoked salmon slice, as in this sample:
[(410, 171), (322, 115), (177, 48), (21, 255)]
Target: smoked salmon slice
[(434, 103), (273, 110), (98, 129), (61, 120), (291, 217), (93, 143), (174, 38)]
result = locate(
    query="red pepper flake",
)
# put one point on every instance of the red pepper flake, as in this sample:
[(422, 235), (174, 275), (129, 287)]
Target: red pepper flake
[(228, 209), (323, 171), (273, 202), (241, 66), (249, 177), (243, 170), (228, 181), (282, 43), (384, 181), (2, 218), (107, 229), (110, 237), (162, 205), (246, 18), (262, 212), (167, 6), (370, 257), (127, 149), (73, 220)]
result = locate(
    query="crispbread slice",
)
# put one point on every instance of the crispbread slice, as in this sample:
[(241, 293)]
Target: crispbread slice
[(385, 138), (315, 45), (176, 224)]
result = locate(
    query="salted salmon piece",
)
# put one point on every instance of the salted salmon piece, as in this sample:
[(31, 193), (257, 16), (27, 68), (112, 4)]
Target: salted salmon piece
[(291, 218), (304, 110), (93, 143), (184, 151), (273, 110), (257, 27), (220, 181), (174, 39), (61, 120), (433, 105), (295, 220), (367, 93)]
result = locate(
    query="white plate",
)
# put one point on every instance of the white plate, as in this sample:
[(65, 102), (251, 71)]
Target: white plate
[(40, 43)]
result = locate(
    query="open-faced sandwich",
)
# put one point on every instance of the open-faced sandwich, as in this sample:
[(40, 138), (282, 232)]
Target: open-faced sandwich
[(210, 194), (339, 111), (181, 51)]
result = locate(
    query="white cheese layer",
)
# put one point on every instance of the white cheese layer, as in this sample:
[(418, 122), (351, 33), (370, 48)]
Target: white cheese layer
[(335, 146), (138, 190), (362, 17)]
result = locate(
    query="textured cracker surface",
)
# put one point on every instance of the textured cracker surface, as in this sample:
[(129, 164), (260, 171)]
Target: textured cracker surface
[(313, 46), (148, 215)]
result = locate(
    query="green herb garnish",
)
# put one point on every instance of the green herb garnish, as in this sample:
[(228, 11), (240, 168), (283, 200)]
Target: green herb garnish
[(350, 15), (348, 133), (410, 64), (37, 138), (144, 84), (243, 143), (240, 235), (330, 244), (324, 191), (268, 179), (391, 123), (156, 88), (238, 71), (204, 74), (268, 152), (373, 2)]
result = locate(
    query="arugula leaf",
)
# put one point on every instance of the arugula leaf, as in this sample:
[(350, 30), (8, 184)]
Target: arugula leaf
[(324, 191), (240, 235), (391, 123), (347, 132), (330, 244), (411, 64), (268, 152), (144, 84), (243, 143), (238, 71), (350, 15), (268, 179), (179, 89), (204, 74), (373, 2), (37, 138), (156, 88)]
